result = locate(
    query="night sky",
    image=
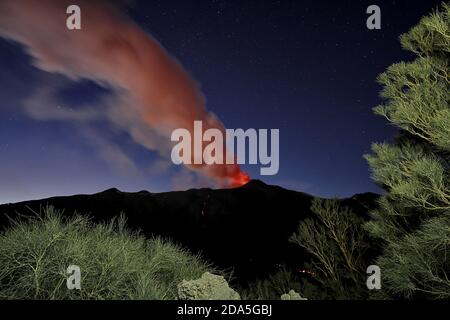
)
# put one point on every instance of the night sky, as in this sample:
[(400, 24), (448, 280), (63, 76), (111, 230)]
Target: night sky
[(306, 67)]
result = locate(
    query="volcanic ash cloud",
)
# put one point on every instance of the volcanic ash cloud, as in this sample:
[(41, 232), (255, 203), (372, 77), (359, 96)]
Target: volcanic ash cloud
[(157, 95)]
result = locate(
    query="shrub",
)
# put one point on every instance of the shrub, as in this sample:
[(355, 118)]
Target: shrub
[(114, 263), (418, 264), (208, 287), (337, 243), (292, 295), (271, 288)]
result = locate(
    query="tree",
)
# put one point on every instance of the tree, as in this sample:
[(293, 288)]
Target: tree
[(337, 243), (413, 217)]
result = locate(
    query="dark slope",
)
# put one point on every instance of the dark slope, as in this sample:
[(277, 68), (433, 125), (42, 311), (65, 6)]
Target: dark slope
[(245, 228)]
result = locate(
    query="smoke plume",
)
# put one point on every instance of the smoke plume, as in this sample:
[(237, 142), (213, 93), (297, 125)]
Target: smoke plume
[(156, 94)]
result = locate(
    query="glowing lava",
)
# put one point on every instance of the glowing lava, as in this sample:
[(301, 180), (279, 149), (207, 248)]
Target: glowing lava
[(309, 272), (239, 179)]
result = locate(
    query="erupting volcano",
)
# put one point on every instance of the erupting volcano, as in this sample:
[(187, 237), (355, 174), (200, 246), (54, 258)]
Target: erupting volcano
[(151, 93), (239, 179)]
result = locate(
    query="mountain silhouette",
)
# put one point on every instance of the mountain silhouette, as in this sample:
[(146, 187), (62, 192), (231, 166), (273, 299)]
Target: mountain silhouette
[(246, 228)]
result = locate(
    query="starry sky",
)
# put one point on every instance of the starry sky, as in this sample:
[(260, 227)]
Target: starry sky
[(306, 67)]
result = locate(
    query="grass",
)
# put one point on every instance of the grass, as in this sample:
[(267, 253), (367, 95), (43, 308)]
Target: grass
[(115, 263)]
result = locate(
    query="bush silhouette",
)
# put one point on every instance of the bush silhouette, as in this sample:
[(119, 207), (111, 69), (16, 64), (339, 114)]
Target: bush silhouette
[(114, 263)]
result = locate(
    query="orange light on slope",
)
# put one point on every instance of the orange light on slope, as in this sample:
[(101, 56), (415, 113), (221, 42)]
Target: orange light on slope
[(239, 179)]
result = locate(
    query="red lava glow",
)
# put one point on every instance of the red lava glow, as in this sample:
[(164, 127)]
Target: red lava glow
[(311, 273), (239, 179)]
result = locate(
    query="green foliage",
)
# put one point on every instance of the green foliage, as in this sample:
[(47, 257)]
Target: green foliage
[(271, 288), (337, 243), (292, 295), (417, 93), (413, 175), (412, 217), (114, 263), (431, 36), (173, 264), (208, 287), (418, 264)]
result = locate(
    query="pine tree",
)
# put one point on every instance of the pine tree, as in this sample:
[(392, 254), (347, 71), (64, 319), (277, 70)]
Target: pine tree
[(412, 221)]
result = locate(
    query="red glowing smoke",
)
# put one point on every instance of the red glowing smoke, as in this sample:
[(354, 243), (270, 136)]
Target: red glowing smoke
[(115, 52), (239, 179)]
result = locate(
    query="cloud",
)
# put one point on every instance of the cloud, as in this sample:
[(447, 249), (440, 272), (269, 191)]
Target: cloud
[(109, 151), (159, 167), (153, 94), (43, 105)]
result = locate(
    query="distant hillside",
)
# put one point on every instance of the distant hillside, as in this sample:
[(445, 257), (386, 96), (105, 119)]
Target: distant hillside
[(245, 228)]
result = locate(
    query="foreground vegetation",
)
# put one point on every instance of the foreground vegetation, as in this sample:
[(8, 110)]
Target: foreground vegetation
[(337, 242), (413, 218), (114, 263)]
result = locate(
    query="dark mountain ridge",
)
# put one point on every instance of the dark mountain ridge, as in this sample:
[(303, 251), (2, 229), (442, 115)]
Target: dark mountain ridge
[(244, 228)]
